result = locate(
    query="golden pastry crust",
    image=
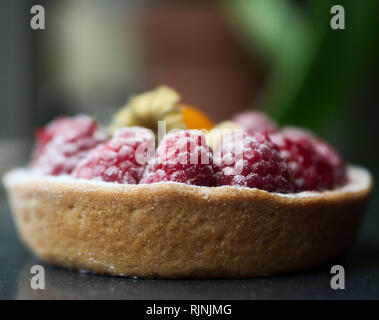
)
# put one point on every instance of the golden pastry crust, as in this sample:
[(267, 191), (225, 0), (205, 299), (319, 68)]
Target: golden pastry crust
[(171, 230)]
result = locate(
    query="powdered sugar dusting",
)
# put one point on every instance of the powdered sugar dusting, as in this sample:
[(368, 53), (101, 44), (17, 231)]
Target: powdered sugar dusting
[(182, 157), (250, 159)]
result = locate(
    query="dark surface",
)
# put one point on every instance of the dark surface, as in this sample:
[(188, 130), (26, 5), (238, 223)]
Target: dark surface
[(361, 266)]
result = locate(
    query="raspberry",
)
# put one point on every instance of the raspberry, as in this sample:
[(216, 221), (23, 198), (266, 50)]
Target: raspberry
[(314, 164), (251, 160), (182, 157), (255, 120), (63, 143), (121, 159)]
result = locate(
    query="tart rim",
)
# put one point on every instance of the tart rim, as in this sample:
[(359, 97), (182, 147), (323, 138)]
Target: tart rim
[(172, 230), (360, 181)]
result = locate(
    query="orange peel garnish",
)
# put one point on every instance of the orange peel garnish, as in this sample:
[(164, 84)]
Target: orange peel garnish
[(195, 119), (160, 104)]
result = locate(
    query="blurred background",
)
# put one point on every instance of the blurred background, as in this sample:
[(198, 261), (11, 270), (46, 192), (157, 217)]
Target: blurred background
[(280, 56)]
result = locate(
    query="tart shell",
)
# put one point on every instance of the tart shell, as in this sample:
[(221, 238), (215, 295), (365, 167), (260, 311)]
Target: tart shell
[(172, 230)]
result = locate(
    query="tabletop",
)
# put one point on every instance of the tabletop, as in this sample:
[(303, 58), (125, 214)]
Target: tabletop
[(361, 276)]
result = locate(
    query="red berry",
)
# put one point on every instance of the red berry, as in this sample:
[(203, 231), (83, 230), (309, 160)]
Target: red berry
[(63, 143), (314, 164), (182, 157), (334, 159), (121, 159), (256, 121), (251, 160)]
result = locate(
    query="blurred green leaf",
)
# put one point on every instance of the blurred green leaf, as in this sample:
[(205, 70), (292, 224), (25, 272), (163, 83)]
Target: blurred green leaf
[(313, 68)]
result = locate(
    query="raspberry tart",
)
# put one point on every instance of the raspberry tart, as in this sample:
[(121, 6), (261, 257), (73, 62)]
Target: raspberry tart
[(255, 201)]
